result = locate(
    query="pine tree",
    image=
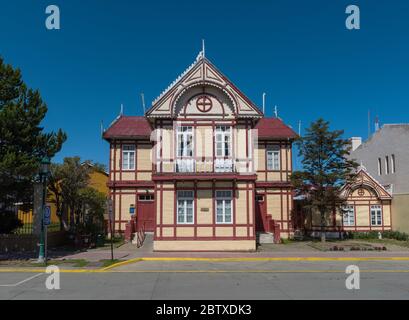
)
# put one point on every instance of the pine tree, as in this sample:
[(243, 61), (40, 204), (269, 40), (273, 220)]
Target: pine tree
[(326, 168), (22, 141)]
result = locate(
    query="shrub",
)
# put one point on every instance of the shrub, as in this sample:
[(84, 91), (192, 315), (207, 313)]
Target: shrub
[(396, 235), (9, 222), (363, 235)]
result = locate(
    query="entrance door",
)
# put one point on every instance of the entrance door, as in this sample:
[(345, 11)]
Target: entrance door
[(145, 212), (261, 213)]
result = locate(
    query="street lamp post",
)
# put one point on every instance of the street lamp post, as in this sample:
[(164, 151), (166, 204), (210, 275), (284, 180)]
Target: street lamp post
[(44, 172)]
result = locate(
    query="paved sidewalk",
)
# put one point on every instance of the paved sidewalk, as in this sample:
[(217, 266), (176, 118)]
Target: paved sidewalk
[(130, 251)]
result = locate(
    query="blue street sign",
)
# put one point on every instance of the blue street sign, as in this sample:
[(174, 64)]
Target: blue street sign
[(47, 216)]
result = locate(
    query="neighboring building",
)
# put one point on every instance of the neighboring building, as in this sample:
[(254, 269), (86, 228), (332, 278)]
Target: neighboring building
[(203, 169), (367, 208), (98, 180), (386, 156)]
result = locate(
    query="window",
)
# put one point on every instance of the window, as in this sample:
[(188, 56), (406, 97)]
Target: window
[(185, 207), (224, 201), (273, 158), (145, 197), (376, 215), (128, 157), (348, 218), (185, 142), (223, 141), (386, 165), (379, 166), (393, 164), (184, 149)]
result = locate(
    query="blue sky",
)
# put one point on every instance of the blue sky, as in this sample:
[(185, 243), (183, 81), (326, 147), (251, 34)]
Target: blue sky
[(298, 52)]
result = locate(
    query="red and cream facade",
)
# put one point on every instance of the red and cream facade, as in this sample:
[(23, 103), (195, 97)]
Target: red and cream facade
[(204, 169), (367, 208)]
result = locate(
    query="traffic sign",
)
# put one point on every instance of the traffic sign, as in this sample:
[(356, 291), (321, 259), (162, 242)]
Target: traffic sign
[(47, 215)]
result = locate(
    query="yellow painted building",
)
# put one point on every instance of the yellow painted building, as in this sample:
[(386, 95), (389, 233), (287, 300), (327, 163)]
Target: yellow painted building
[(203, 169), (98, 180)]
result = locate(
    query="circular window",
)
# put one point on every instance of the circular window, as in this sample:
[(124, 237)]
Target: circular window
[(204, 104)]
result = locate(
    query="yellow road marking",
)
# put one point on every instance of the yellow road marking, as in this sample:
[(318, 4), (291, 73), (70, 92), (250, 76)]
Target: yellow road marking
[(181, 259), (246, 259), (256, 259), (86, 271)]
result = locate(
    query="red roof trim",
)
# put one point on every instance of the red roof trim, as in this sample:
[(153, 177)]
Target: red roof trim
[(274, 128), (129, 127)]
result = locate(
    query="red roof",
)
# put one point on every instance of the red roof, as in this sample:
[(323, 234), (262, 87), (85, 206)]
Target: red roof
[(129, 127), (274, 128)]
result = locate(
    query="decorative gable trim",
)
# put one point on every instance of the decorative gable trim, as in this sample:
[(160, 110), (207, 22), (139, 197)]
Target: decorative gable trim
[(201, 73), (364, 179)]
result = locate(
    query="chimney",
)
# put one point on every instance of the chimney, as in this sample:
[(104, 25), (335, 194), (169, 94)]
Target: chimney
[(355, 142)]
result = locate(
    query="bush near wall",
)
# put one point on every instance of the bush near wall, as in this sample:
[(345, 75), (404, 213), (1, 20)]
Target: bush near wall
[(396, 235)]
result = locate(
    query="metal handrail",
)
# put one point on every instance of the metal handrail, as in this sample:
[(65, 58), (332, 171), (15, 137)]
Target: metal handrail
[(140, 236)]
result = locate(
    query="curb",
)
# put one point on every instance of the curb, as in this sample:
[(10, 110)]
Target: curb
[(260, 259)]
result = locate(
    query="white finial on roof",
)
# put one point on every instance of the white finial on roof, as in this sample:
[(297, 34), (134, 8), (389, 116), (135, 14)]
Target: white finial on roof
[(102, 128), (143, 102), (122, 110), (276, 111), (361, 167), (203, 48)]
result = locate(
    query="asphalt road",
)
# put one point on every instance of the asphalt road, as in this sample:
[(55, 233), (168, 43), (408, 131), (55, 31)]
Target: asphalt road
[(217, 280)]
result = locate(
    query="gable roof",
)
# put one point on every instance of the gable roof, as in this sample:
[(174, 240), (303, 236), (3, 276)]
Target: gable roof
[(363, 178), (128, 127), (274, 128), (201, 72)]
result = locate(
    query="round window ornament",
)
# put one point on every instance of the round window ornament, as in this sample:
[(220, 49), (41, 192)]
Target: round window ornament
[(204, 104), (361, 192)]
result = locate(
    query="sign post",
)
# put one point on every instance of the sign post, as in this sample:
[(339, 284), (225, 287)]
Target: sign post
[(111, 222), (47, 222)]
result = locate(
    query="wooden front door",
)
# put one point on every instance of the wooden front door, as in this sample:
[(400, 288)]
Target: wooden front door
[(261, 213), (145, 214)]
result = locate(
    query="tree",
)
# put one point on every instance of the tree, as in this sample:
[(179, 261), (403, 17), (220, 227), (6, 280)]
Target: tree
[(22, 141), (326, 168), (93, 205), (54, 190), (73, 177), (82, 206)]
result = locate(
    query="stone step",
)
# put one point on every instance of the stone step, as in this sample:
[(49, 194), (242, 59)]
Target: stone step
[(265, 237)]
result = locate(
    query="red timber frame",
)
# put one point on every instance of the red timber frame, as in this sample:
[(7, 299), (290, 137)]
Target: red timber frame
[(199, 122), (213, 177), (283, 187), (356, 201), (249, 187), (360, 228), (116, 186)]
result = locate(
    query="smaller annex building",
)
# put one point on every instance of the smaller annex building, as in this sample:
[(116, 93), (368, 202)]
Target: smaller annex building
[(367, 208)]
